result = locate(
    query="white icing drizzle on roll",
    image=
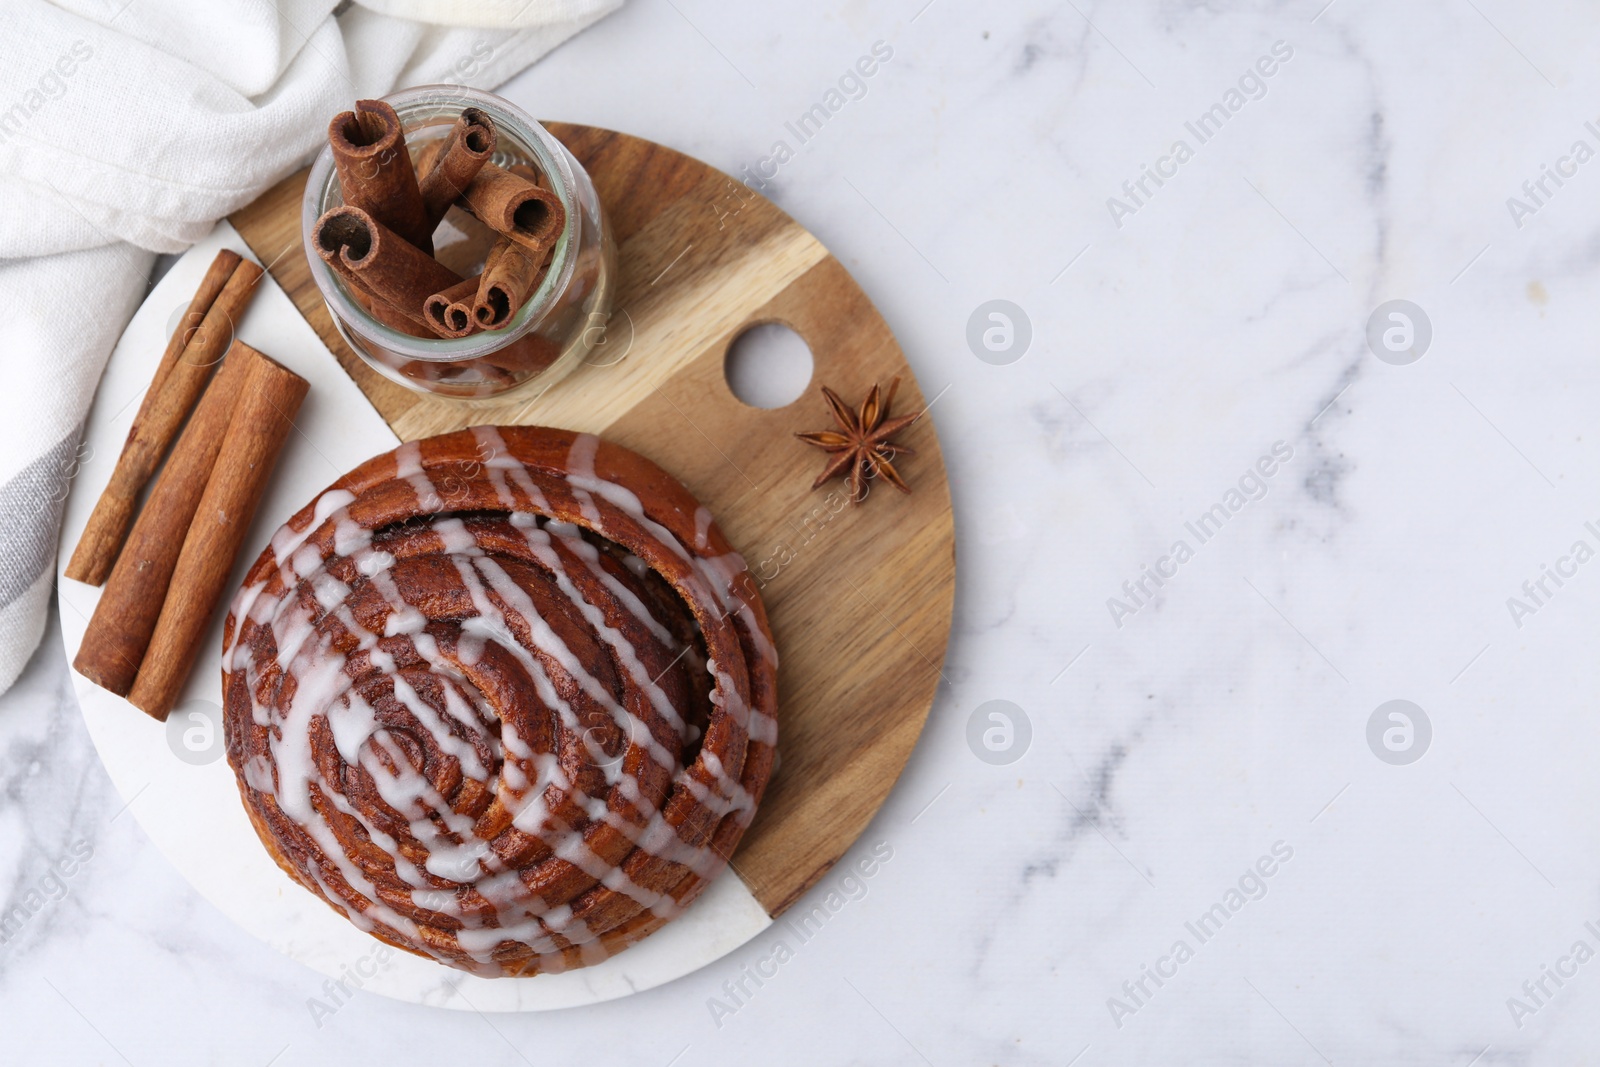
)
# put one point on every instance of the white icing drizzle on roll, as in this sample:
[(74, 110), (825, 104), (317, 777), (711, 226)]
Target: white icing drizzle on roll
[(422, 759)]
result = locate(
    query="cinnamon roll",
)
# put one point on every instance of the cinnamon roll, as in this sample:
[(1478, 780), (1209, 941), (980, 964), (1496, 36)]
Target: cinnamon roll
[(505, 698)]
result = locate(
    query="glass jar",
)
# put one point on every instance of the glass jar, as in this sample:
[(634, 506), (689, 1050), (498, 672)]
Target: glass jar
[(554, 329)]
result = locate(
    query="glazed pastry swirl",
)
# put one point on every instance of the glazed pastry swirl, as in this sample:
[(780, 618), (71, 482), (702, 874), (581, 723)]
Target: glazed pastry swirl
[(504, 698)]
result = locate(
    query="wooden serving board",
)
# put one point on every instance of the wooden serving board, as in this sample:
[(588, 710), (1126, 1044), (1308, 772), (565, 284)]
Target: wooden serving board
[(860, 598)]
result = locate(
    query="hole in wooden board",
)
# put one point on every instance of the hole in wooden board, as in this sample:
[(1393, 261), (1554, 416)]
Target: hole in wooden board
[(768, 366)]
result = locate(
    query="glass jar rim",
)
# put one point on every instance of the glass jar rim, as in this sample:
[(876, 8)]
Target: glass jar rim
[(552, 159)]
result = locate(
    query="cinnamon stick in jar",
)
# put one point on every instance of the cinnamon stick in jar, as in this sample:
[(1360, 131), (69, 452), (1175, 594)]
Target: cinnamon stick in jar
[(526, 356), (167, 403), (449, 166), (388, 314), (522, 210), (510, 274), (376, 173), (377, 261), (262, 420), (450, 313), (119, 632)]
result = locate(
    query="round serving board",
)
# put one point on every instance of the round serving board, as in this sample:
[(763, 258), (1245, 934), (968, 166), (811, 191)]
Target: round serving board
[(859, 598)]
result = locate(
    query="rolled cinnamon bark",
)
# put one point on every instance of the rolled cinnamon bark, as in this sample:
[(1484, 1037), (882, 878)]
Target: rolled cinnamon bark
[(115, 641), (512, 205), (451, 164), (262, 419), (450, 313), (375, 171), (380, 263), (170, 398), (222, 267), (388, 314), (524, 357), (427, 156), (510, 273)]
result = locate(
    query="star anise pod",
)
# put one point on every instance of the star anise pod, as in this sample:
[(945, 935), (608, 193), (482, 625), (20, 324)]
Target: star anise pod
[(862, 443)]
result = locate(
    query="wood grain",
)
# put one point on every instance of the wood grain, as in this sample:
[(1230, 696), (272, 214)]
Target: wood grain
[(860, 597)]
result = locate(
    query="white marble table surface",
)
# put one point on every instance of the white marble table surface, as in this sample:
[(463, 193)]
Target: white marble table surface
[(1419, 910)]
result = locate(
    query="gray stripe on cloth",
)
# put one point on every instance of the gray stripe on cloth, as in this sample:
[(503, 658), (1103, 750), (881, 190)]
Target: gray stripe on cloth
[(30, 516)]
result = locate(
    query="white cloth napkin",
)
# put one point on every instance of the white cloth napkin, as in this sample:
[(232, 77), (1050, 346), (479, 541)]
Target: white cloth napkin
[(128, 127)]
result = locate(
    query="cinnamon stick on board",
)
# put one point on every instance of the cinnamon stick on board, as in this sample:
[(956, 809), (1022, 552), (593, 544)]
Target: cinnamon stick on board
[(262, 419), (450, 313), (449, 166), (377, 261), (510, 274), (114, 644), (529, 214), (171, 396), (375, 171)]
